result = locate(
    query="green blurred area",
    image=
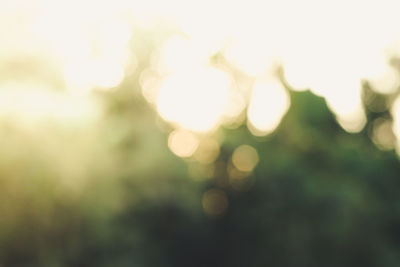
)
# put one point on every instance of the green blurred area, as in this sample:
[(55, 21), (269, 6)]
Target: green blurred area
[(112, 194), (119, 197)]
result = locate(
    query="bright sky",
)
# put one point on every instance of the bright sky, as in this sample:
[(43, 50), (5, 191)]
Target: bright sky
[(328, 46)]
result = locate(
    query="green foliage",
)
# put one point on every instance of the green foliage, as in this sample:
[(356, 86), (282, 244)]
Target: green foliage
[(318, 197)]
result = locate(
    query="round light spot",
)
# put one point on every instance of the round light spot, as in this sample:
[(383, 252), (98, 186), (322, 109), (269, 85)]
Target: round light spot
[(194, 98), (269, 103), (183, 143), (245, 158), (208, 151), (382, 134)]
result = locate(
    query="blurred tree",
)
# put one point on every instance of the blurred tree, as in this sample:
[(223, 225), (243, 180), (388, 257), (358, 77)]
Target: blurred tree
[(114, 195), (318, 197)]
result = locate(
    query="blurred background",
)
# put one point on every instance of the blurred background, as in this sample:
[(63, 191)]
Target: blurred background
[(212, 133)]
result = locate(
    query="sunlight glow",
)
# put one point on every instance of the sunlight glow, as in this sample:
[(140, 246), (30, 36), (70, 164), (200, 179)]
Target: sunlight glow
[(251, 54), (396, 122), (269, 103), (31, 103), (88, 43), (208, 151), (92, 49), (382, 134), (345, 103), (179, 53), (194, 98), (183, 143), (245, 158)]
